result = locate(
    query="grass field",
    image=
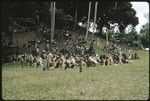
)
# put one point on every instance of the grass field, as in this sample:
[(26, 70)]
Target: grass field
[(121, 82)]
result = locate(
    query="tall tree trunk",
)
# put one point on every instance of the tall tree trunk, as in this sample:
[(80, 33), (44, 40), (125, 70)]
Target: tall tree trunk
[(95, 14), (89, 12), (52, 20), (4, 16), (45, 16), (115, 6), (75, 18), (100, 27), (12, 30)]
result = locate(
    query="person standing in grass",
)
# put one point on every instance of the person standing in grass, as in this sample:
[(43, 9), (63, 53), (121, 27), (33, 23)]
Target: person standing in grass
[(45, 64), (120, 57), (21, 61), (45, 60), (81, 65)]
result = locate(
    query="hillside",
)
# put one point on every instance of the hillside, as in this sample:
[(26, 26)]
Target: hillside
[(60, 38), (20, 39)]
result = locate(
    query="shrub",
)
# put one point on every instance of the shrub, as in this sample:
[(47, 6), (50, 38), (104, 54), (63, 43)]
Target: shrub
[(137, 45)]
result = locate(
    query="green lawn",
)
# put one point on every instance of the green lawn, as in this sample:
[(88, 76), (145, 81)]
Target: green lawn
[(121, 82)]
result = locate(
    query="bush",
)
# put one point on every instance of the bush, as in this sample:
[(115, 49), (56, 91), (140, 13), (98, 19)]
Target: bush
[(137, 45)]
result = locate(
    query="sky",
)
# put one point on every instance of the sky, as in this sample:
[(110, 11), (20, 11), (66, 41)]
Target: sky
[(141, 9)]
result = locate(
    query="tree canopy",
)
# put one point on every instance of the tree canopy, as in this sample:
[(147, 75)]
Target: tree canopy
[(144, 32), (123, 14)]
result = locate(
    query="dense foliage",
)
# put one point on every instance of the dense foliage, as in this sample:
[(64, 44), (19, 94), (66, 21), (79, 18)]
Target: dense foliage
[(145, 35)]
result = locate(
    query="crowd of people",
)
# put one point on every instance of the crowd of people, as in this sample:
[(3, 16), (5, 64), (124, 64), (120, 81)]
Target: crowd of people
[(77, 55)]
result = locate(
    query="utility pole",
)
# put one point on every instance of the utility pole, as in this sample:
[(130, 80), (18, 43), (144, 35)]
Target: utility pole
[(89, 12), (52, 20), (95, 14), (115, 6), (76, 14)]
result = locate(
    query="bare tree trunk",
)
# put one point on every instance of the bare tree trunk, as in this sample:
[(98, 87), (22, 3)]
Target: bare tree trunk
[(87, 30), (12, 31), (46, 19), (76, 13), (52, 20), (115, 6), (95, 13), (100, 27)]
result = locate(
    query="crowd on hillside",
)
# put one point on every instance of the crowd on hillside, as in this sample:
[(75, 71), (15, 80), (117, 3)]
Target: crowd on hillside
[(75, 53)]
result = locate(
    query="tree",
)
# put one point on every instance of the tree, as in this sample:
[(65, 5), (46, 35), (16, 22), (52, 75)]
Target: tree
[(144, 32), (107, 12), (121, 13)]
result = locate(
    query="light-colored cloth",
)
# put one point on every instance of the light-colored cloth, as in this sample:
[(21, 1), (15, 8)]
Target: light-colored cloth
[(93, 60)]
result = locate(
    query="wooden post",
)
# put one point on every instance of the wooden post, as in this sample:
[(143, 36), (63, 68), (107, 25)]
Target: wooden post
[(89, 12)]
